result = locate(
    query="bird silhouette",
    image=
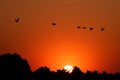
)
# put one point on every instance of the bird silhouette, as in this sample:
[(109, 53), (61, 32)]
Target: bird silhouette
[(84, 27), (54, 24), (91, 28), (102, 29), (78, 27), (16, 20)]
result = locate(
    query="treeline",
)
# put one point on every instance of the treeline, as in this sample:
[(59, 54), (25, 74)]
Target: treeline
[(13, 67)]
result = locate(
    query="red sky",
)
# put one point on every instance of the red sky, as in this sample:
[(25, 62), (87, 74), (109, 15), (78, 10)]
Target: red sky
[(42, 44)]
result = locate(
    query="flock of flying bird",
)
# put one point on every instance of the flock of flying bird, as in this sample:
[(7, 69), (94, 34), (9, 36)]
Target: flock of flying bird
[(91, 28)]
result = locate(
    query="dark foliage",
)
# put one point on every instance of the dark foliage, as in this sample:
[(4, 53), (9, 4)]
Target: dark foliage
[(13, 67)]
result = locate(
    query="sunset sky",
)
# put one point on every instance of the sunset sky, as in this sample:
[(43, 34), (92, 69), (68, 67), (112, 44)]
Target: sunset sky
[(42, 44)]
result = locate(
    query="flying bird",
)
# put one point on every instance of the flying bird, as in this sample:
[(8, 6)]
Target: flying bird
[(91, 28), (78, 27), (54, 24), (84, 27), (102, 29), (16, 20)]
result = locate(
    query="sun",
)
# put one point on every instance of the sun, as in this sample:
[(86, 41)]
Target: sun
[(68, 68)]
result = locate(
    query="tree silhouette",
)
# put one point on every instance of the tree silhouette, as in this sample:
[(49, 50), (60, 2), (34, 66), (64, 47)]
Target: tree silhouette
[(13, 67), (77, 74), (43, 73)]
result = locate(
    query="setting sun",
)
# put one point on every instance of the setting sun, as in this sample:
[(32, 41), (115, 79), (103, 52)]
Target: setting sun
[(68, 68)]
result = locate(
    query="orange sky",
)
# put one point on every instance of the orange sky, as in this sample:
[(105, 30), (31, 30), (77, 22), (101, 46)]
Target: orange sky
[(42, 44)]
